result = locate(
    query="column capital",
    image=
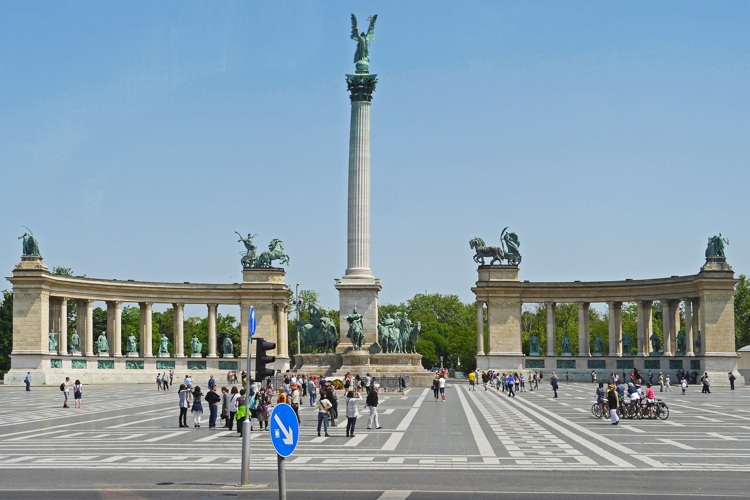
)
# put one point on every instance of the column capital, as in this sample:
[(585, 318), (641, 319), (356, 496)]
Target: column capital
[(361, 86), (176, 305)]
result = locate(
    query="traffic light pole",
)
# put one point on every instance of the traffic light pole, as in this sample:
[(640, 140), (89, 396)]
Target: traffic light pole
[(245, 479)]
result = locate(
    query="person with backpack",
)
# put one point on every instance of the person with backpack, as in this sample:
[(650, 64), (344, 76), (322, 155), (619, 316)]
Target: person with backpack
[(213, 399), (65, 388), (262, 402), (78, 393), (241, 411)]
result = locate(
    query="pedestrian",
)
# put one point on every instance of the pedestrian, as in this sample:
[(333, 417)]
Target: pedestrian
[(171, 377), (661, 382), (241, 410), (536, 380), (667, 384), (66, 391), (294, 400), (442, 386), (436, 386), (511, 382), (683, 385), (229, 378), (211, 382), (352, 412), (614, 401), (158, 381), (372, 405), (472, 379), (523, 382), (600, 396), (732, 378), (593, 376), (197, 408), (164, 381), (323, 406), (485, 379), (516, 381), (184, 404), (282, 397), (553, 382), (225, 397), (234, 397), (706, 383), (28, 381), (567, 378), (78, 393), (262, 402), (312, 389), (650, 400), (214, 400)]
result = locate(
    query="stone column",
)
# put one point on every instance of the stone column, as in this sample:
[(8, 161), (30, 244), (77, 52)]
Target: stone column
[(645, 327), (282, 342), (146, 330), (85, 322), (114, 327), (179, 330), (675, 323), (212, 330), (63, 340), (689, 327), (615, 328), (244, 328), (583, 329), (666, 326), (480, 328), (551, 341), (697, 326)]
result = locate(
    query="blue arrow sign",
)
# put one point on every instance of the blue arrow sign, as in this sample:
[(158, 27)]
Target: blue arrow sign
[(252, 321), (284, 429)]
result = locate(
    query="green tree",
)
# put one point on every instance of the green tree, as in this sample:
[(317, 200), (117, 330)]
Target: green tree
[(742, 312), (6, 330)]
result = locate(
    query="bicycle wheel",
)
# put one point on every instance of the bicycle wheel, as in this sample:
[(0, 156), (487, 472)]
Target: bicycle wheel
[(639, 411), (662, 411), (596, 411)]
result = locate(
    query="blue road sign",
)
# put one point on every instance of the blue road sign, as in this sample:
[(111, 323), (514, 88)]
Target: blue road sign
[(284, 429), (252, 322)]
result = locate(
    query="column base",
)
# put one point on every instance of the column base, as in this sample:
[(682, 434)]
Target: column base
[(211, 356), (132, 355), (228, 356), (164, 355), (196, 356)]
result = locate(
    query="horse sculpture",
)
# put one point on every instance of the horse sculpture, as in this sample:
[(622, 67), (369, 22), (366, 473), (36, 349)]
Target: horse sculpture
[(481, 251), (275, 252), (319, 334)]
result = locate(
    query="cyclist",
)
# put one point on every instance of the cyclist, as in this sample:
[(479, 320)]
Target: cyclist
[(600, 398), (650, 400)]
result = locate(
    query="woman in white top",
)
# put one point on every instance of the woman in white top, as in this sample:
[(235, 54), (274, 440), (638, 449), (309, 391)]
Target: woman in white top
[(352, 412), (442, 386)]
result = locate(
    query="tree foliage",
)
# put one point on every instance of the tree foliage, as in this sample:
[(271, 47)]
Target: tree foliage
[(742, 312), (6, 330)]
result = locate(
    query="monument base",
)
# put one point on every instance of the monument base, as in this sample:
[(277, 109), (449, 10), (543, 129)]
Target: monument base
[(361, 293), (164, 355), (228, 356), (131, 354), (195, 355)]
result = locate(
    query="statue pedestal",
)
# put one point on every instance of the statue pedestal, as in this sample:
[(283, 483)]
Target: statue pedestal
[(597, 354), (567, 354), (103, 354), (131, 354), (196, 355), (75, 353), (164, 355), (228, 356)]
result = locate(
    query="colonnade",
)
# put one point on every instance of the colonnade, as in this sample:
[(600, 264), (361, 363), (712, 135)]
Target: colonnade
[(85, 327)]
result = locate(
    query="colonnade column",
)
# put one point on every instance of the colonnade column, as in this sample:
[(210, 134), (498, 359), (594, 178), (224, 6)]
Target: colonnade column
[(675, 311), (666, 326), (583, 329), (697, 327), (689, 327), (146, 330), (114, 327), (244, 328), (551, 342), (480, 328), (282, 342), (615, 328), (85, 322), (179, 330), (212, 330), (63, 343)]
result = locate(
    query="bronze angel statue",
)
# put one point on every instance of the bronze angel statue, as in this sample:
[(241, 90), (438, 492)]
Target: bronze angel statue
[(362, 54)]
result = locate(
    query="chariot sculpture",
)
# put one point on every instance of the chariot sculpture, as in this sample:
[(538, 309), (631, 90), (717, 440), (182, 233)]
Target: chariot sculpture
[(508, 250), (250, 259)]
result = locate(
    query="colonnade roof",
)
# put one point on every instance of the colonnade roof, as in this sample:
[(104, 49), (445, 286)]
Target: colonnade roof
[(628, 290), (77, 287)]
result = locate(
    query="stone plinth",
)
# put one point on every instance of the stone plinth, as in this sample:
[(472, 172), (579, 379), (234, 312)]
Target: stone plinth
[(317, 364), (196, 355), (228, 356), (362, 293), (164, 355), (132, 354)]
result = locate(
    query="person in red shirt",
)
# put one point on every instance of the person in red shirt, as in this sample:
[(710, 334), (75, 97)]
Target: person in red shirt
[(650, 400)]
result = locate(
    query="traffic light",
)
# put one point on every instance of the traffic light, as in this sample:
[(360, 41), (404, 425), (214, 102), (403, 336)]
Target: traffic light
[(262, 359)]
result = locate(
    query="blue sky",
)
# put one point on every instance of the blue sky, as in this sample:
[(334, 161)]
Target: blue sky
[(612, 137)]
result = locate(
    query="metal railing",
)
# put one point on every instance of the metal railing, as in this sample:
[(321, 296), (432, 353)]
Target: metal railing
[(395, 383)]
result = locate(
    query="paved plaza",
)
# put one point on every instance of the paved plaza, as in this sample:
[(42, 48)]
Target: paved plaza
[(125, 442)]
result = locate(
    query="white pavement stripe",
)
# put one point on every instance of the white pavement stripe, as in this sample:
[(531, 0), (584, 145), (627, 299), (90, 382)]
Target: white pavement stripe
[(167, 436), (707, 419), (358, 438), (395, 495), (721, 436), (586, 443), (483, 444), (387, 412), (674, 424), (675, 443), (139, 421), (633, 429), (21, 438), (112, 459), (410, 416), (392, 442)]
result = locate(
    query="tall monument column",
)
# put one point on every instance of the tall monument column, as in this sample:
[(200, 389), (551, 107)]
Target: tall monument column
[(359, 287)]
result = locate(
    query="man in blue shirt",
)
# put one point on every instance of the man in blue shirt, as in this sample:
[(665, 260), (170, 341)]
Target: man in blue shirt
[(511, 382), (28, 381)]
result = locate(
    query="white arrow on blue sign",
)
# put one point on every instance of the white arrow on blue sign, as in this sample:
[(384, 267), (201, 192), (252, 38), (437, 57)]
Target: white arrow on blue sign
[(252, 321), (284, 429)]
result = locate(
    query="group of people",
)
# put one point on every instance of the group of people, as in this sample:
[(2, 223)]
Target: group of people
[(164, 380), (77, 392), (510, 382)]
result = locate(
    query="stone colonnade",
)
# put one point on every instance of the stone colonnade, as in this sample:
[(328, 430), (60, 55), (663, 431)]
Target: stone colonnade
[(707, 299), (41, 302)]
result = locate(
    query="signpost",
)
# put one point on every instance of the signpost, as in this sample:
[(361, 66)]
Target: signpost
[(284, 430), (245, 477)]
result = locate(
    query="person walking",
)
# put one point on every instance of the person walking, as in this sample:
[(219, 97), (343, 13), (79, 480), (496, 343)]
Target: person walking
[(614, 402), (27, 380), (171, 377), (472, 380), (241, 411), (553, 383), (732, 378), (442, 386), (323, 406), (197, 408), (233, 400), (294, 400), (184, 404), (312, 389), (436, 387), (225, 397), (214, 400), (511, 382), (667, 384), (706, 384), (661, 382), (158, 381), (352, 412), (567, 378), (78, 393), (164, 381), (66, 391), (262, 402), (372, 404)]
